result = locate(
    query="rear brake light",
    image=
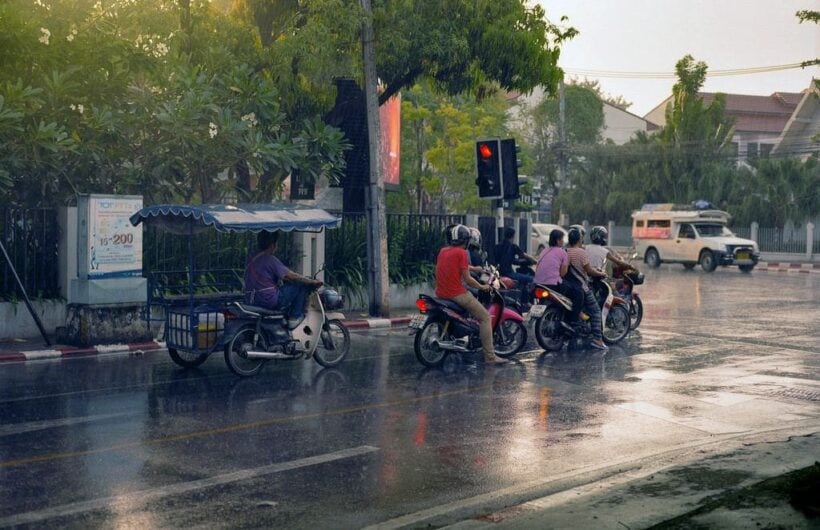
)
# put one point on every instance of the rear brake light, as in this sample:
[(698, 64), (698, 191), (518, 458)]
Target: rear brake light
[(228, 315), (541, 293), (422, 305)]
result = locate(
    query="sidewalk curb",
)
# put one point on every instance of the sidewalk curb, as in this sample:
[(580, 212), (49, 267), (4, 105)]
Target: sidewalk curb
[(66, 351), (775, 266), (377, 323), (63, 351)]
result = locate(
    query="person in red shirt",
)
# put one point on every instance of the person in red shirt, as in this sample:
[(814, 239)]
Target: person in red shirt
[(452, 273)]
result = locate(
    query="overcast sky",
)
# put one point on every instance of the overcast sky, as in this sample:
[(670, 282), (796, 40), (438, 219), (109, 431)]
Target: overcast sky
[(652, 35)]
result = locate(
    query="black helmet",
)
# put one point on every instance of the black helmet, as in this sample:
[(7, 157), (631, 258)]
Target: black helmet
[(573, 236), (458, 234), (599, 235), (580, 229)]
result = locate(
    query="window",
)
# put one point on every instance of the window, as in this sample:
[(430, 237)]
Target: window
[(686, 231), (765, 149), (658, 223), (751, 150), (639, 224)]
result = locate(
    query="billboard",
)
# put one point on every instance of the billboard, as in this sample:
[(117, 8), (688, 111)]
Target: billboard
[(390, 141), (113, 246)]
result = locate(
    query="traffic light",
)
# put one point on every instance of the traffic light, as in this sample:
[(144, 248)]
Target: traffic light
[(488, 169), (509, 169)]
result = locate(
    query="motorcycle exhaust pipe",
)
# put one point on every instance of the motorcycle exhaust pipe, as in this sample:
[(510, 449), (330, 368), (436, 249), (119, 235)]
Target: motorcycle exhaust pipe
[(450, 346), (269, 355)]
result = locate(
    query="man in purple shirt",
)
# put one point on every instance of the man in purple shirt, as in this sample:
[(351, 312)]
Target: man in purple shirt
[(263, 274)]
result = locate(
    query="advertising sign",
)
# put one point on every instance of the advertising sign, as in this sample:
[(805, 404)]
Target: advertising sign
[(390, 141), (114, 245)]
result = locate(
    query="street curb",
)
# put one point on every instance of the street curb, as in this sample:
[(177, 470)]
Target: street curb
[(377, 323), (775, 266), (62, 351), (65, 352)]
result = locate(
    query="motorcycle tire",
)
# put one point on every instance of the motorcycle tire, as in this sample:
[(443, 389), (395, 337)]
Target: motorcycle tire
[(551, 319), (514, 338), (186, 359), (427, 353), (617, 324), (334, 344), (635, 312), (235, 351)]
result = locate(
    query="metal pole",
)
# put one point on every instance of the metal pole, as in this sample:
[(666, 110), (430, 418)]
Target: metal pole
[(562, 139), (377, 274), (25, 296)]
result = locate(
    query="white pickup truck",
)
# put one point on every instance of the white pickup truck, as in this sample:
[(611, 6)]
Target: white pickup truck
[(664, 233)]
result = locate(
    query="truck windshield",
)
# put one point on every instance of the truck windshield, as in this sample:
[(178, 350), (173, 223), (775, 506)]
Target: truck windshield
[(713, 230)]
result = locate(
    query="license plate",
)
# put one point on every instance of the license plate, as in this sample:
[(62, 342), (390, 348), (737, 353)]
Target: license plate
[(537, 311), (743, 255), (417, 322)]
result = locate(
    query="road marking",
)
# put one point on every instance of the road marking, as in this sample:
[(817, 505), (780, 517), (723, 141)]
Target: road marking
[(129, 500), (540, 490), (49, 457), (18, 428)]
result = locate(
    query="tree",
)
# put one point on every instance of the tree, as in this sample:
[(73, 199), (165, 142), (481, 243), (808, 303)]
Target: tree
[(466, 45)]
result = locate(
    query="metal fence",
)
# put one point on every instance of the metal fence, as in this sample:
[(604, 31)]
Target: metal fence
[(31, 237), (413, 242)]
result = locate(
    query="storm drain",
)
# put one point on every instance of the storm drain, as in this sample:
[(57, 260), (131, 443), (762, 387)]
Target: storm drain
[(796, 393)]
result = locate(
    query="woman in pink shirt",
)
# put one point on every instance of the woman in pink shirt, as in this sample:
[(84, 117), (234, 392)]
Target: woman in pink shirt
[(553, 264)]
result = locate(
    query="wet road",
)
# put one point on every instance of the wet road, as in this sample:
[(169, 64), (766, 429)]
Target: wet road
[(119, 441)]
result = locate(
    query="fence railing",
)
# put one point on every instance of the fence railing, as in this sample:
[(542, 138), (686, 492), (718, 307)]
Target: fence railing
[(31, 237)]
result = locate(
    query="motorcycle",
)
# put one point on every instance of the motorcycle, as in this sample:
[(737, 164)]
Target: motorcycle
[(627, 279), (443, 327), (552, 330), (254, 335)]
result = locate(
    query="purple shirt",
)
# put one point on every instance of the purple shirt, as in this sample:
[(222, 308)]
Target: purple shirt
[(550, 261), (263, 273)]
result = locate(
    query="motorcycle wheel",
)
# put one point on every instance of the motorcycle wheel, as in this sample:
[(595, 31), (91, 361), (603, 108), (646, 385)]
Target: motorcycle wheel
[(187, 359), (236, 352), (550, 320), (514, 338), (427, 353), (617, 324), (334, 344), (635, 312)]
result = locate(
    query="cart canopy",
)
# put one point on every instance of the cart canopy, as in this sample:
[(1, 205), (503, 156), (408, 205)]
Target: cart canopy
[(186, 218)]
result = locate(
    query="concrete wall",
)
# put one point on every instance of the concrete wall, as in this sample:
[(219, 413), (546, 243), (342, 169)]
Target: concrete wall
[(16, 322), (620, 126)]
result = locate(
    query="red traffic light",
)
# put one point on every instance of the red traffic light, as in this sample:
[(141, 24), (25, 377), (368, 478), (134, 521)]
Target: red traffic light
[(485, 151)]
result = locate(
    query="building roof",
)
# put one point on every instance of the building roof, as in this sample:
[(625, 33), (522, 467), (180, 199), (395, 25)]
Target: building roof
[(760, 114), (803, 126)]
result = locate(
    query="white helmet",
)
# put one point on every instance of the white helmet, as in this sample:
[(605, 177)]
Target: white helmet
[(475, 237)]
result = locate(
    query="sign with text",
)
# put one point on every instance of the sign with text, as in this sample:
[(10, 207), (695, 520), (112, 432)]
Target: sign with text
[(113, 247)]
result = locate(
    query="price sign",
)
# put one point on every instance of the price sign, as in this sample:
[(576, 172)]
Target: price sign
[(114, 245)]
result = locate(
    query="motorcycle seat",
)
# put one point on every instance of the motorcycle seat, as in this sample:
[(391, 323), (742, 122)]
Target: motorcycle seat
[(449, 303), (263, 311)]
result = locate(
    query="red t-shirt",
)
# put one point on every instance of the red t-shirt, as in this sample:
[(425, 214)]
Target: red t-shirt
[(449, 266)]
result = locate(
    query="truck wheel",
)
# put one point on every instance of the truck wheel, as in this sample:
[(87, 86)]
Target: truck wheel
[(707, 261), (745, 268), (652, 258)]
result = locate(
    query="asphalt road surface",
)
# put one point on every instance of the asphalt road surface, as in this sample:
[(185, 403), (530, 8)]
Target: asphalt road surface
[(720, 360)]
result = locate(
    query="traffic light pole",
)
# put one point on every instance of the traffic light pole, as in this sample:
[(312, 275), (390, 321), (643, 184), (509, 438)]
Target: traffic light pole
[(378, 288)]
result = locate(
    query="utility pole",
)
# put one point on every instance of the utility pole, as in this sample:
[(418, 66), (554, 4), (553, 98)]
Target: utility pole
[(562, 142), (378, 289)]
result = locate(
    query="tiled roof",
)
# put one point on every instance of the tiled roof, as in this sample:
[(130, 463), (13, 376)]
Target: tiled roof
[(759, 113)]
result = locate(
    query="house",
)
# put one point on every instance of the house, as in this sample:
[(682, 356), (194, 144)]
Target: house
[(801, 135), (759, 120), (620, 125)]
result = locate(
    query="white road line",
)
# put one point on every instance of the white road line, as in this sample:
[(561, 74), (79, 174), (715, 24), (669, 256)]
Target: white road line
[(128, 500), (17, 428)]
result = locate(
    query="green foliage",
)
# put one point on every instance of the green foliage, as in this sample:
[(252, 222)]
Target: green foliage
[(438, 148), (466, 45)]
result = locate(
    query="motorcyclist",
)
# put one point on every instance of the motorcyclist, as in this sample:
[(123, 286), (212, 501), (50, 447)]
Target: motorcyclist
[(264, 273), (506, 254), (452, 274), (552, 268), (601, 256), (580, 270)]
